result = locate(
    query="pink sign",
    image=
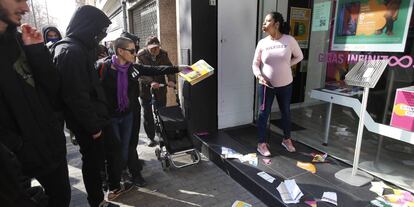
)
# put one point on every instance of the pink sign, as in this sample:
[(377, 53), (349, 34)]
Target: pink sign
[(403, 111)]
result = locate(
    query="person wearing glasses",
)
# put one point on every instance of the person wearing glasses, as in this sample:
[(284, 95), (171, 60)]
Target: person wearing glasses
[(152, 54), (119, 77)]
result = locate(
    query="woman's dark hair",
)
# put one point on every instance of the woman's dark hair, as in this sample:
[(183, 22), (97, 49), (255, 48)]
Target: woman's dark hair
[(284, 27)]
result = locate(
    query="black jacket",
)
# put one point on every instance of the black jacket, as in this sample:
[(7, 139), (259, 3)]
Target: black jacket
[(13, 191), (145, 57), (47, 29), (84, 103), (28, 126), (109, 83)]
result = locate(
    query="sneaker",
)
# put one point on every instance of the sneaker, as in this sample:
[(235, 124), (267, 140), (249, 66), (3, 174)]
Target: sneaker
[(124, 188), (152, 143), (108, 204), (287, 143), (263, 149), (139, 181)]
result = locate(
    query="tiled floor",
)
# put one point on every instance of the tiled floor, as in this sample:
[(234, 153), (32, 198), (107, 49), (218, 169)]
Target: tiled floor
[(396, 160)]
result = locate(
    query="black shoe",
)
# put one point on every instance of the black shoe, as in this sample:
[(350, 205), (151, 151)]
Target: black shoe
[(152, 143), (139, 181)]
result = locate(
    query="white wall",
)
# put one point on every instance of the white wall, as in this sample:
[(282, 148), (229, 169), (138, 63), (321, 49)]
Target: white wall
[(236, 36)]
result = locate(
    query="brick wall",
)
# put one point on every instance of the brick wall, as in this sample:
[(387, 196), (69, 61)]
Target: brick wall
[(168, 28)]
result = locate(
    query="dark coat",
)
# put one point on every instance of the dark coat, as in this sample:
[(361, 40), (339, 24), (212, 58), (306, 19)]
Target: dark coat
[(84, 103), (109, 83), (145, 58), (47, 29), (13, 184), (28, 126)]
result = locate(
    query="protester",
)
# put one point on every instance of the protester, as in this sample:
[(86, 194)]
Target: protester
[(276, 53), (84, 102), (134, 38), (152, 54), (119, 76), (134, 164), (15, 188), (51, 35), (28, 85), (102, 52)]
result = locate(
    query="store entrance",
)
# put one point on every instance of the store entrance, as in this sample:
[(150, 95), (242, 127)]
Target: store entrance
[(299, 19)]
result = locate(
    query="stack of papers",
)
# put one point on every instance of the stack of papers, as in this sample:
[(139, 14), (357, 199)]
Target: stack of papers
[(290, 191), (330, 197)]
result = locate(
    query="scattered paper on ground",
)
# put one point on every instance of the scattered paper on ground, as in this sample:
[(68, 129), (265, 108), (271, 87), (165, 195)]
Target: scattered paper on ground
[(319, 157), (240, 204), (250, 158), (266, 176), (307, 166), (289, 191), (391, 196), (311, 203), (330, 197), (230, 153), (378, 187)]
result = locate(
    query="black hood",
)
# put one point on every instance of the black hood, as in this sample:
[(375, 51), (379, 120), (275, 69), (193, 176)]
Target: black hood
[(86, 23), (45, 30)]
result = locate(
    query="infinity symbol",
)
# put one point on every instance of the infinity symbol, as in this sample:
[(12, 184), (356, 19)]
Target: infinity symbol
[(394, 61)]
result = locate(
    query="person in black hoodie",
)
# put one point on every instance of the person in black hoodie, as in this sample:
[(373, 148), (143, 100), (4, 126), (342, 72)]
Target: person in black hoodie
[(51, 35), (84, 103), (15, 188), (28, 87)]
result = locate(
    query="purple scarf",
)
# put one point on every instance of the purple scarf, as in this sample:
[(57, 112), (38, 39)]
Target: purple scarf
[(122, 83)]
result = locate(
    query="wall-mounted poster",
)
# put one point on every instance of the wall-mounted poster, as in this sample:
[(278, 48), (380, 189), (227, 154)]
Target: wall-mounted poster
[(300, 25), (371, 25), (321, 14)]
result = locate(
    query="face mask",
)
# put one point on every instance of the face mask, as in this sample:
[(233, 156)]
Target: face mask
[(101, 35), (53, 40)]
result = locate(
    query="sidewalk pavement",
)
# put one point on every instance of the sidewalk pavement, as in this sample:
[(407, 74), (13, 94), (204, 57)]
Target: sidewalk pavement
[(202, 185)]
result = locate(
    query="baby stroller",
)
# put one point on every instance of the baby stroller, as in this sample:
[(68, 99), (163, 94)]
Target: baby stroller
[(171, 128)]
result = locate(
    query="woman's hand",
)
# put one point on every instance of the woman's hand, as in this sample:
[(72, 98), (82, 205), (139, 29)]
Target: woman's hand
[(262, 80)]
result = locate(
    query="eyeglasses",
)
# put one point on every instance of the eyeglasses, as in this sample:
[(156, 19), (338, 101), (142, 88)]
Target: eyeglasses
[(132, 51)]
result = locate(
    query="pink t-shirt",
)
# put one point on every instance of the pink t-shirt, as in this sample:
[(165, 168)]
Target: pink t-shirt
[(275, 57)]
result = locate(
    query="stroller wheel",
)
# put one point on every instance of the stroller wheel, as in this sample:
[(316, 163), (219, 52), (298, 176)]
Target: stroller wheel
[(165, 163), (195, 155), (158, 153)]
